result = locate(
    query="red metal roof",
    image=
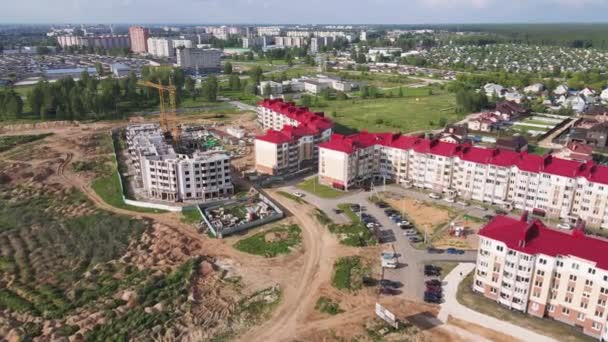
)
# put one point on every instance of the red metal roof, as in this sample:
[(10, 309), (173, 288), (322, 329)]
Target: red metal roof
[(313, 120), (499, 157), (536, 238), (285, 135)]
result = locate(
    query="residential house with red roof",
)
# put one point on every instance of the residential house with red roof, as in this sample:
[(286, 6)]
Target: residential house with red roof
[(526, 266)]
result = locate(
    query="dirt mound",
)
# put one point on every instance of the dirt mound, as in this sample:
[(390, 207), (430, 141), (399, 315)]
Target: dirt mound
[(272, 237)]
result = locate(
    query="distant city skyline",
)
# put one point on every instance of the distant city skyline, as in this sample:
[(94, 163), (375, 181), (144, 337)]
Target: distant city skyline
[(303, 12)]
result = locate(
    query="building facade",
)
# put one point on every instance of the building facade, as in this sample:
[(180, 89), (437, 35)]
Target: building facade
[(168, 176), (139, 39), (555, 187), (291, 141), (104, 41), (531, 268), (198, 59), (161, 47)]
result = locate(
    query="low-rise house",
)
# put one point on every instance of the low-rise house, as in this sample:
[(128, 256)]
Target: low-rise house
[(515, 143), (561, 90), (509, 110), (268, 88), (492, 89), (596, 113), (514, 96), (535, 88), (577, 103), (577, 151), (595, 135), (604, 95)]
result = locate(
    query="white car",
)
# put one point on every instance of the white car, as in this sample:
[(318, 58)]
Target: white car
[(449, 199), (298, 194), (462, 203), (564, 225), (434, 196)]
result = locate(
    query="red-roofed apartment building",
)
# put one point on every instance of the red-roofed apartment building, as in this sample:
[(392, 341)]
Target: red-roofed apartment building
[(529, 267), (291, 141), (545, 184)]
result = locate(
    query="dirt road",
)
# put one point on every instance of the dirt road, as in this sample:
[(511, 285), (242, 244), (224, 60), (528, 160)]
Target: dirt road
[(299, 296)]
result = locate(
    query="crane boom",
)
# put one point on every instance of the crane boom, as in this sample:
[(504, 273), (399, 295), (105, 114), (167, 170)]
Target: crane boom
[(167, 117)]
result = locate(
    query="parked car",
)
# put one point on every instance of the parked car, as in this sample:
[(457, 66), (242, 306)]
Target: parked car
[(462, 203), (382, 205), (433, 250), (389, 291), (431, 298), (564, 225), (416, 239), (449, 199), (488, 217), (405, 223), (390, 283), (433, 282), (431, 270), (338, 211), (434, 196), (434, 289), (454, 251), (298, 194)]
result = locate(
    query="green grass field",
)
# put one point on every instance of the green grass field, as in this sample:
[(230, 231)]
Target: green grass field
[(289, 237), (348, 273), (312, 185), (108, 188), (9, 142), (416, 111), (191, 216)]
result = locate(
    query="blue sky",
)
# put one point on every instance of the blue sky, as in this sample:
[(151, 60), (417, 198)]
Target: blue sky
[(303, 11)]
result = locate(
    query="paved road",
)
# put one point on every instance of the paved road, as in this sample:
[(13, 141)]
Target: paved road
[(457, 310), (411, 260)]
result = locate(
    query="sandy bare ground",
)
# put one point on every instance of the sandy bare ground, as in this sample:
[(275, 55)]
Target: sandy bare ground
[(423, 215)]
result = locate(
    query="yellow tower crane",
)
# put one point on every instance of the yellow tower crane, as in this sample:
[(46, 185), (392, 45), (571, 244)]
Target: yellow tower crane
[(167, 117)]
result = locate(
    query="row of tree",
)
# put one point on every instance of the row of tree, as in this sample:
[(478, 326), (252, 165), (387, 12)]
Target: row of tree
[(11, 105)]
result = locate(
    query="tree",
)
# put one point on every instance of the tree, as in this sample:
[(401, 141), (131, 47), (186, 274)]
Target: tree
[(228, 68), (400, 91), (341, 96), (256, 75), (364, 91), (11, 104), (267, 91), (210, 89), (190, 86), (99, 68), (234, 82), (306, 101)]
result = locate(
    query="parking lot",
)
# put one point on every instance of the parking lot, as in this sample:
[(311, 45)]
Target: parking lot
[(410, 261)]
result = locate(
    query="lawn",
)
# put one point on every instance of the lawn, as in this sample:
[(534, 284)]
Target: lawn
[(348, 273), (355, 234), (109, 189), (273, 242), (416, 111), (547, 326), (312, 185), (191, 216)]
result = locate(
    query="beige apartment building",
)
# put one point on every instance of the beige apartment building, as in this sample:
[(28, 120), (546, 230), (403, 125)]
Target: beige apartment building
[(291, 141), (529, 267), (546, 185)]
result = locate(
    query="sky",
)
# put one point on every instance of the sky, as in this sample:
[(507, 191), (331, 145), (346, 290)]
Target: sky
[(302, 11)]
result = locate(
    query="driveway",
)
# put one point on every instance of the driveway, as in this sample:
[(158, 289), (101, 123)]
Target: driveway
[(411, 260), (457, 310)]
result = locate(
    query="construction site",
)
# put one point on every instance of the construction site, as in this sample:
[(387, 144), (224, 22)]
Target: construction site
[(78, 263)]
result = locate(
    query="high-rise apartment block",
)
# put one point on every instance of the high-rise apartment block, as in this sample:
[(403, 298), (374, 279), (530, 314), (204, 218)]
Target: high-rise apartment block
[(139, 39)]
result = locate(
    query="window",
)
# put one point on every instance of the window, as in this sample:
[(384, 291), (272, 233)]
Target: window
[(580, 316), (551, 308), (572, 277), (589, 282), (591, 271), (565, 311), (598, 313), (596, 326)]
